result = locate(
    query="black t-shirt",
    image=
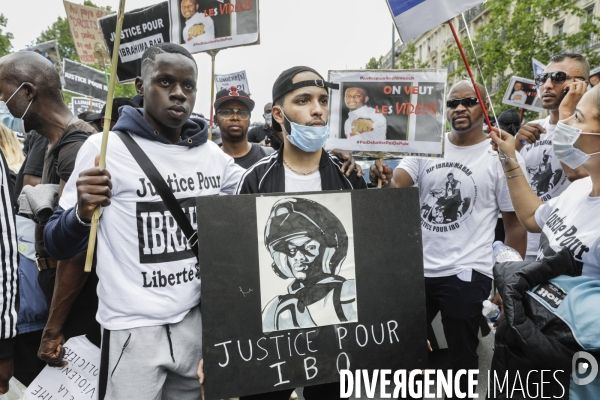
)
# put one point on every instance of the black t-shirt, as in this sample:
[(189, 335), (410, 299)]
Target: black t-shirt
[(64, 168), (34, 160), (254, 155), (259, 133)]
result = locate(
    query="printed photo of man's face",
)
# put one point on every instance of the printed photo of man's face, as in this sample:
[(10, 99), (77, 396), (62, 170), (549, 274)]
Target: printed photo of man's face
[(355, 98), (188, 8)]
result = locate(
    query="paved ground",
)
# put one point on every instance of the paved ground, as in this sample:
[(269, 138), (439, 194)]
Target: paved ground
[(438, 360)]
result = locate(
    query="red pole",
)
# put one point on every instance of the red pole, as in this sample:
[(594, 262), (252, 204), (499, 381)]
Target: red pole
[(521, 116), (464, 57)]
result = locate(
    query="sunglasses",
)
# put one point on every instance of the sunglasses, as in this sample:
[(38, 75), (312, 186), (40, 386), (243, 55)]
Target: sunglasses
[(227, 113), (466, 102), (557, 77)]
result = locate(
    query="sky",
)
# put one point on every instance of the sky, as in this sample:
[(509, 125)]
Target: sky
[(322, 34)]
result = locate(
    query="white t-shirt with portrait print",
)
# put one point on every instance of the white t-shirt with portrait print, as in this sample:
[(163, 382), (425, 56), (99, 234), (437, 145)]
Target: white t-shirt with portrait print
[(461, 196), (547, 178), (571, 220), (302, 183), (148, 274)]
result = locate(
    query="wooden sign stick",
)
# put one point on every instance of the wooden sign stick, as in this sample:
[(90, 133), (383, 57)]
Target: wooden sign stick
[(107, 115)]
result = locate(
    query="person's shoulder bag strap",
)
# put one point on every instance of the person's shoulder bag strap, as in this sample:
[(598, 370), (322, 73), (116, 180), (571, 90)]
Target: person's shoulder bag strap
[(162, 189)]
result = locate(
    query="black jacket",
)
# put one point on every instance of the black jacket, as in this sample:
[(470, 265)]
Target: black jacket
[(268, 175), (529, 336)]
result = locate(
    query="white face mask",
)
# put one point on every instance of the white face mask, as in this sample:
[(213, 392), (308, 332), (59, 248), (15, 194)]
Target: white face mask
[(562, 143)]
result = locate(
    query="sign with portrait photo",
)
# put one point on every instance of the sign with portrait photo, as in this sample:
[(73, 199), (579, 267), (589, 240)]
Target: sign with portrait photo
[(202, 25), (293, 290), (399, 112), (142, 28), (523, 93)]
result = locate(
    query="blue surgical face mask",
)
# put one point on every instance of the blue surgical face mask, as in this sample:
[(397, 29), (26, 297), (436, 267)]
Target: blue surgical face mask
[(563, 141), (13, 123), (307, 138)]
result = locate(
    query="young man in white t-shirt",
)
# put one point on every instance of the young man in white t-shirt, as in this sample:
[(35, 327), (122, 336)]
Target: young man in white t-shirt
[(149, 280), (461, 196), (548, 176)]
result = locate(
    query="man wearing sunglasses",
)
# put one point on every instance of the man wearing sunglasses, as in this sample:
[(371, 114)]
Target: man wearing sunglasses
[(233, 108), (461, 197), (566, 73)]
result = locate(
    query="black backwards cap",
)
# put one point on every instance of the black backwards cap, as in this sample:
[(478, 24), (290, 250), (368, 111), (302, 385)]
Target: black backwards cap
[(283, 85)]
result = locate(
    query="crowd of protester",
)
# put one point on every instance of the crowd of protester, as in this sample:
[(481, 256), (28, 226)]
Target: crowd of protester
[(528, 174)]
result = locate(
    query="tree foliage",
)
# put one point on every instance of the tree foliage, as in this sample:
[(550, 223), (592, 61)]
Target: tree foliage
[(374, 63), (61, 32), (513, 34), (5, 38), (408, 58)]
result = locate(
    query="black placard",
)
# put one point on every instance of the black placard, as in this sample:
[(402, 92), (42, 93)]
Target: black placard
[(142, 28), (84, 80), (81, 104), (385, 249)]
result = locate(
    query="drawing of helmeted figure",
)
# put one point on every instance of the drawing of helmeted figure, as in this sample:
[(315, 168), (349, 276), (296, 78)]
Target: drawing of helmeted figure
[(542, 177), (446, 204), (308, 244)]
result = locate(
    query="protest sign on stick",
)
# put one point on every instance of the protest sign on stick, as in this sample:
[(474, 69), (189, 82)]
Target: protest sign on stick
[(84, 80), (523, 93), (413, 17), (75, 381), (87, 37), (202, 25), (50, 51), (395, 112), (235, 79), (102, 162), (213, 55), (347, 306), (81, 104), (142, 28)]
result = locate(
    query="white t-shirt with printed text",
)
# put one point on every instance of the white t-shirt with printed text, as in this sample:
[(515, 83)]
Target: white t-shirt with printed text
[(570, 220), (461, 196), (547, 178), (148, 274), (302, 183)]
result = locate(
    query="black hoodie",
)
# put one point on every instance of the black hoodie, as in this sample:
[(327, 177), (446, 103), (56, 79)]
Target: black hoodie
[(193, 133)]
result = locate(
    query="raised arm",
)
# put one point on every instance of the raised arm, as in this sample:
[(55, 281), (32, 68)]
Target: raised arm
[(524, 200)]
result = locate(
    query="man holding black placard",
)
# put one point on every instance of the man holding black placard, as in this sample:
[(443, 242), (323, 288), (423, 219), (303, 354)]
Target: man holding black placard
[(461, 197), (300, 111)]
